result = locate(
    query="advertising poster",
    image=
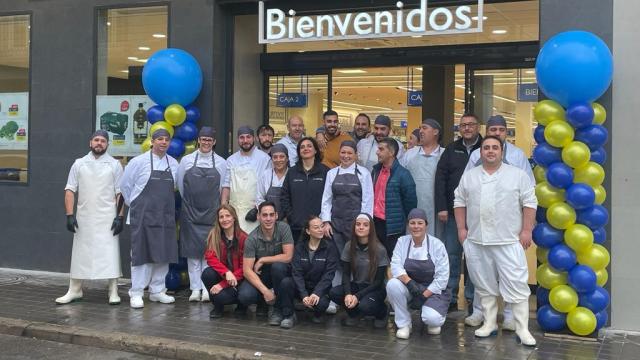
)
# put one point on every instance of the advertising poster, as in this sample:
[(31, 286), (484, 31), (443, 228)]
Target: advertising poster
[(125, 118), (14, 121)]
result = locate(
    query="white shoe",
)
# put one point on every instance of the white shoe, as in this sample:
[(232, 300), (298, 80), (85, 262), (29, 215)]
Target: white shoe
[(490, 313), (195, 295), (74, 293), (114, 299), (521, 318), (205, 296), (475, 319), (434, 330), (136, 302), (404, 332), (162, 297), (332, 309), (509, 324)]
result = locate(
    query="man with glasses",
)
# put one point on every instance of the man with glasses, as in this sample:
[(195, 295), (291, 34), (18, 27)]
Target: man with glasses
[(295, 126), (452, 163)]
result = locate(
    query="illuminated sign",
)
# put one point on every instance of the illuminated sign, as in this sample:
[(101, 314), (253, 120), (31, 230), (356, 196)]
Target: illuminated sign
[(291, 100), (414, 98)]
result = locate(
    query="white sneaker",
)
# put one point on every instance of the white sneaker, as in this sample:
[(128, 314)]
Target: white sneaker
[(195, 295), (404, 332), (205, 296), (434, 330), (475, 319), (74, 293), (162, 298), (332, 309), (509, 324), (136, 302)]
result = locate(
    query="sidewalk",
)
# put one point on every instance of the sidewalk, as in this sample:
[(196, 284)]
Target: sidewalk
[(29, 296)]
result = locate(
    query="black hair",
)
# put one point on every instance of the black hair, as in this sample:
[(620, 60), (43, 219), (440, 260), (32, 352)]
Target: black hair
[(366, 116), (318, 156), (493, 137), (264, 204), (329, 113), (391, 144), (264, 127), (471, 115)]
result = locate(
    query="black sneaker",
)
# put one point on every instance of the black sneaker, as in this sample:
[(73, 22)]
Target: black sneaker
[(317, 319), (350, 321), (262, 309), (216, 312), (288, 322), (240, 310), (382, 322), (275, 318)]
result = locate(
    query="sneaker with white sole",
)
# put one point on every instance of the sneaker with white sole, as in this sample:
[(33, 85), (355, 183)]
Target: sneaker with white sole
[(332, 309), (162, 298), (136, 302), (474, 319), (195, 295), (403, 332), (205, 296), (434, 330)]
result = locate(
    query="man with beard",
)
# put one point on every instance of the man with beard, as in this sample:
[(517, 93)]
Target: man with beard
[(334, 138), (94, 180), (240, 183), (361, 129), (265, 137), (367, 147), (295, 126)]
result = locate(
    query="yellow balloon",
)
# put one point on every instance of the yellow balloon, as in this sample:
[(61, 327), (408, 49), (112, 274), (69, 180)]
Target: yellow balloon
[(541, 254), (599, 114), (592, 174), (596, 257), (602, 276), (559, 133), (563, 298), (161, 125), (578, 237), (190, 147), (601, 194), (175, 114), (547, 111), (561, 215), (576, 154), (548, 195), (549, 277), (146, 144), (540, 173), (581, 321)]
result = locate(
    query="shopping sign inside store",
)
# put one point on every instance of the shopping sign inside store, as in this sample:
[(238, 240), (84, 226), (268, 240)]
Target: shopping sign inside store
[(276, 25)]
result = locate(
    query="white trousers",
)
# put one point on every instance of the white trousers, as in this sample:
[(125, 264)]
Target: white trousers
[(498, 270), (195, 268), (151, 275), (477, 307), (399, 297)]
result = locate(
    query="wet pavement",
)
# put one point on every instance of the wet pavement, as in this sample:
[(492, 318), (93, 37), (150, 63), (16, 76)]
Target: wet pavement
[(30, 296)]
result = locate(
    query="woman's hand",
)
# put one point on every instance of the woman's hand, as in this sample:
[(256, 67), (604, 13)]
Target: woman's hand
[(215, 289), (350, 301), (231, 279)]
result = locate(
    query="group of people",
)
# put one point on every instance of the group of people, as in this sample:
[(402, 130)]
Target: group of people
[(335, 220)]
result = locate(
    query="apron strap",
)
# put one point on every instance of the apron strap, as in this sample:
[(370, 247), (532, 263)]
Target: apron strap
[(151, 160), (195, 161), (409, 248)]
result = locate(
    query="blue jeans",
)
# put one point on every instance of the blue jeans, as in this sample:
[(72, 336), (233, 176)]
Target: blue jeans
[(454, 251)]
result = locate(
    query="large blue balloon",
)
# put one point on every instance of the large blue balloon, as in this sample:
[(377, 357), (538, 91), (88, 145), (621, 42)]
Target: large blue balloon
[(155, 114), (599, 235), (574, 67), (601, 319), (594, 217), (547, 236), (542, 296), (599, 156), (172, 76), (193, 114), (538, 134), (561, 257), (545, 154), (176, 148), (187, 132), (541, 214), (580, 115), (550, 319), (560, 175), (594, 136), (582, 279), (580, 196), (596, 300)]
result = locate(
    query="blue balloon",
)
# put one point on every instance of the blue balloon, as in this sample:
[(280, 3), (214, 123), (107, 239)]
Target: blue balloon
[(546, 236), (580, 196), (599, 156), (542, 296), (594, 217), (172, 280), (582, 279), (580, 115), (596, 300), (545, 154), (599, 235), (594, 136), (550, 319), (155, 114), (538, 134), (193, 114), (560, 175), (187, 132), (574, 67), (182, 264), (601, 319), (172, 76), (176, 148), (541, 214), (561, 257)]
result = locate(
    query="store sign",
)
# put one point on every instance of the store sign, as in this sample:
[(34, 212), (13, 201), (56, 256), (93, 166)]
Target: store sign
[(528, 92), (291, 100), (414, 98), (277, 26)]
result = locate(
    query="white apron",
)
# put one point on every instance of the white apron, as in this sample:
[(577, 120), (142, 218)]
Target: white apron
[(96, 251), (423, 170), (244, 185)]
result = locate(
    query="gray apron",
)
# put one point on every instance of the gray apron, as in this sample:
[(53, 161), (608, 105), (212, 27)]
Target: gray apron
[(200, 201), (423, 170), (274, 194), (422, 271), (345, 206), (153, 222)]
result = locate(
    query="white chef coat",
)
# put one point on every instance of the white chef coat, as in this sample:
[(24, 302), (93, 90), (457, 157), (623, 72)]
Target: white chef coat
[(367, 148), (438, 255), (137, 173), (204, 161), (514, 156), (292, 149), (116, 168), (494, 203), (418, 150), (365, 182), (264, 183), (257, 159)]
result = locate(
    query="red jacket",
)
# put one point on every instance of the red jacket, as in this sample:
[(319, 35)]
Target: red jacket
[(213, 260)]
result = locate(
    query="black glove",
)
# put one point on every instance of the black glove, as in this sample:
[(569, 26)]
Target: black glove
[(252, 215), (416, 290), (72, 224), (117, 225)]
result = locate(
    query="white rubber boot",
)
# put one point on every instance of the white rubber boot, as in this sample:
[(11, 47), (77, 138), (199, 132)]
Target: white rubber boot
[(490, 314), (521, 318), (114, 299), (74, 293)]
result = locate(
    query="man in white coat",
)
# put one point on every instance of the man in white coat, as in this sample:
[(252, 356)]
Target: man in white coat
[(94, 181), (495, 210), (368, 147)]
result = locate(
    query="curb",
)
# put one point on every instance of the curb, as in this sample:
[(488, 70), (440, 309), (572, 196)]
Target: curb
[(114, 340)]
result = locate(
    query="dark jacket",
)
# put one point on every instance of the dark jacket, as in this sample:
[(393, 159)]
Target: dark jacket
[(315, 275), (302, 194), (400, 196), (451, 166)]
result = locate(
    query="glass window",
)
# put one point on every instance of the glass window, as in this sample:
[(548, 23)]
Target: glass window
[(126, 39), (14, 98)]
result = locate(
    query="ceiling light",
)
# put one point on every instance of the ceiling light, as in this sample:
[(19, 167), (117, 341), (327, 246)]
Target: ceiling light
[(142, 60), (108, 23), (132, 58), (475, 18), (416, 36), (530, 72), (124, 71), (159, 36), (300, 51), (499, 32), (367, 48), (351, 71), (144, 48), (419, 68), (493, 74)]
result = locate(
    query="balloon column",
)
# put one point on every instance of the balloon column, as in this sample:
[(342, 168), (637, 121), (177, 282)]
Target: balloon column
[(573, 69), (172, 79)]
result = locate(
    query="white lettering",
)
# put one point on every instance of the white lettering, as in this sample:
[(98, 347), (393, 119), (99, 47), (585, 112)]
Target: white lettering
[(362, 19), (388, 22), (275, 18), (291, 28), (422, 13), (448, 19), (304, 27), (462, 13), (330, 25), (343, 25), (399, 22)]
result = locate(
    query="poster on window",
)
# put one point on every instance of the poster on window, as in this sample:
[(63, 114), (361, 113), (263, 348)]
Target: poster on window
[(14, 121), (125, 118)]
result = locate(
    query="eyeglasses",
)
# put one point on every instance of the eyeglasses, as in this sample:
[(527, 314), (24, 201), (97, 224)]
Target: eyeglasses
[(206, 140), (468, 125)]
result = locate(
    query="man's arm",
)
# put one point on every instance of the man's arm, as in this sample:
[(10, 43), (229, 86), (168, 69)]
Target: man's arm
[(251, 276), (285, 257), (69, 201), (528, 221), (224, 196), (461, 221)]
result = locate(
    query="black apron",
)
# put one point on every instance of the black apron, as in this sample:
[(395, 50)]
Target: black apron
[(345, 206), (422, 271), (153, 222), (200, 202), (274, 194)]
